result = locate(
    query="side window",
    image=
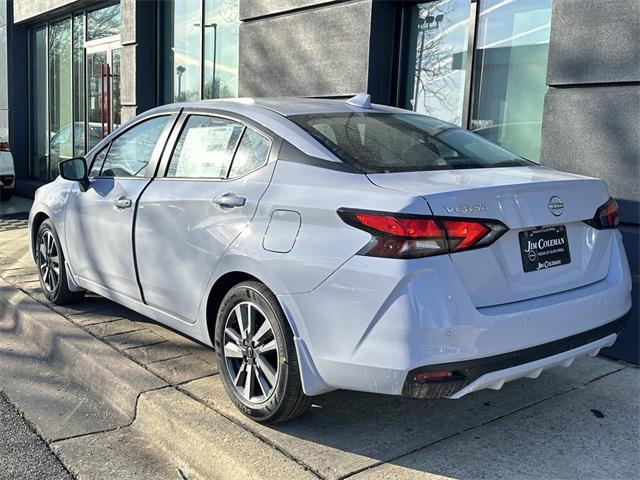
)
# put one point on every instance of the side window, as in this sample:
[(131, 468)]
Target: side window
[(205, 148), (98, 160), (131, 152), (252, 152)]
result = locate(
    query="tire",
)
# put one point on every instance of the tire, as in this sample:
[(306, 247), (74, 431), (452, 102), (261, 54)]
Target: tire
[(6, 194), (268, 353), (47, 250)]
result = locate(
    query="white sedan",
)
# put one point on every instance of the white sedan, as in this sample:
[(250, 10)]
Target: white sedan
[(324, 244)]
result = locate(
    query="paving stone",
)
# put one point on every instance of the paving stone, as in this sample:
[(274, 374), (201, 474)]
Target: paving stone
[(23, 278), (138, 338), (112, 328), (202, 351), (89, 304), (92, 318), (183, 369), (156, 353), (18, 271)]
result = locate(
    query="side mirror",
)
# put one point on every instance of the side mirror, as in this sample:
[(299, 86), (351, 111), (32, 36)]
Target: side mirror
[(75, 169)]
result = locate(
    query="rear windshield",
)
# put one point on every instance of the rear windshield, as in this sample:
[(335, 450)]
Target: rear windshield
[(403, 142)]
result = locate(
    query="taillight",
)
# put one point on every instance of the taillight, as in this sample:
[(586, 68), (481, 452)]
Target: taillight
[(607, 215), (4, 147), (414, 236)]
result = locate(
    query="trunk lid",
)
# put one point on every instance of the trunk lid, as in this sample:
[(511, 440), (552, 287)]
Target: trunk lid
[(524, 199)]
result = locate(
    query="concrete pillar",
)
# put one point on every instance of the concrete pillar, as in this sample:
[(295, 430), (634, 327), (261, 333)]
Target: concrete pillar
[(591, 123)]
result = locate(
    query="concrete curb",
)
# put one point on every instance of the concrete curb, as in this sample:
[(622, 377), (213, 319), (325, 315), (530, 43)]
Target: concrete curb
[(168, 432), (168, 414), (74, 352)]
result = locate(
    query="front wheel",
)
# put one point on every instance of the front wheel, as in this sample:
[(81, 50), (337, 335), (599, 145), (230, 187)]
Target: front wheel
[(257, 355), (51, 266)]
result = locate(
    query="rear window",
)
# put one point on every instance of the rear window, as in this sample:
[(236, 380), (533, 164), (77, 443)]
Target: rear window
[(386, 142)]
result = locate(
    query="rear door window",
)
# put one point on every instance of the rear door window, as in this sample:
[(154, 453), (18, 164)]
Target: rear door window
[(205, 148), (252, 153)]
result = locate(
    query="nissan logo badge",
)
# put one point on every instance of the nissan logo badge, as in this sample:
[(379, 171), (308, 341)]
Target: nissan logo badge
[(556, 205)]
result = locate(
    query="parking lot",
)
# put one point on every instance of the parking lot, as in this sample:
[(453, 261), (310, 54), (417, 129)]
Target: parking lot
[(115, 395)]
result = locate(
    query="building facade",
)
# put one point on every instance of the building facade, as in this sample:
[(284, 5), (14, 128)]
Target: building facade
[(556, 81)]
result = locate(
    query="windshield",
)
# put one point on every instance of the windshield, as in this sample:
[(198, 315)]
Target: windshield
[(403, 142)]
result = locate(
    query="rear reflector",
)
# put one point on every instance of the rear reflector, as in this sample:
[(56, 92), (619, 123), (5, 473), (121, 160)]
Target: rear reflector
[(607, 215), (431, 376), (4, 147), (415, 236)]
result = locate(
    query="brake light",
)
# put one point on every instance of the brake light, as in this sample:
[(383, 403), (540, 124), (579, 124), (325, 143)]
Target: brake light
[(4, 147), (415, 236), (607, 215)]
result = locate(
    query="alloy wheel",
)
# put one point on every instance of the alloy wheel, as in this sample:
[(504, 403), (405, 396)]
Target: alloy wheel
[(251, 352), (49, 261)]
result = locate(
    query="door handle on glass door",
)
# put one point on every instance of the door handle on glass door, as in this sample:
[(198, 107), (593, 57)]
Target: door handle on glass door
[(230, 200), (122, 202)]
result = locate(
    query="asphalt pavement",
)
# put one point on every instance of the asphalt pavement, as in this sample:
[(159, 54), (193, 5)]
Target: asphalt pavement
[(23, 454)]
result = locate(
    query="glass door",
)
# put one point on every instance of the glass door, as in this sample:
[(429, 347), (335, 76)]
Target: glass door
[(103, 92)]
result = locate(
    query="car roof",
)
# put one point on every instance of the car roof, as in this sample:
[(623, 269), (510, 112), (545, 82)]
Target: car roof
[(272, 113), (286, 106)]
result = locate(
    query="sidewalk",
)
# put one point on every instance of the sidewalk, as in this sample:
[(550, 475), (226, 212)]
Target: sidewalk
[(169, 416)]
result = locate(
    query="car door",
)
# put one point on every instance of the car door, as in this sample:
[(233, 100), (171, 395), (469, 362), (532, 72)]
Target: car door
[(215, 176), (99, 221)]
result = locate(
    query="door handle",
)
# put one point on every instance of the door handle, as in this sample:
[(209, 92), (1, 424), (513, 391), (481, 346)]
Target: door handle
[(123, 202), (230, 200)]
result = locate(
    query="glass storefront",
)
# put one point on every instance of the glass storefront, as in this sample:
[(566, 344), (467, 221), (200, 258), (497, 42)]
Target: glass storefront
[(39, 123), (78, 85), (200, 38), (66, 116), (495, 89), (442, 32), (60, 95)]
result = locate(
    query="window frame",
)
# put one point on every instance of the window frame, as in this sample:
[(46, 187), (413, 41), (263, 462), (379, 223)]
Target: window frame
[(163, 169), (156, 155)]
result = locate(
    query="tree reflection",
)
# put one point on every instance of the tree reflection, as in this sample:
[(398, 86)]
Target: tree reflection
[(436, 89), (103, 23)]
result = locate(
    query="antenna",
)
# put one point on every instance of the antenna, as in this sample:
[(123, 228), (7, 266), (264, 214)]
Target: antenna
[(362, 100)]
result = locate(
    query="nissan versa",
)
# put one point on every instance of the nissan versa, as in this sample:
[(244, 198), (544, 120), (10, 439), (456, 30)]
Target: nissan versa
[(328, 244)]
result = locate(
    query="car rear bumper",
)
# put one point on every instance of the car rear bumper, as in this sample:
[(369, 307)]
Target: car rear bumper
[(492, 372), (374, 321)]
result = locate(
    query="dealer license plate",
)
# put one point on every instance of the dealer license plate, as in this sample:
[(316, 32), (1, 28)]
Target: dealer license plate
[(544, 248)]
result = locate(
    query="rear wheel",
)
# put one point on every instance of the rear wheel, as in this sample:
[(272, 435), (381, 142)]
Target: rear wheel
[(257, 355), (51, 266)]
